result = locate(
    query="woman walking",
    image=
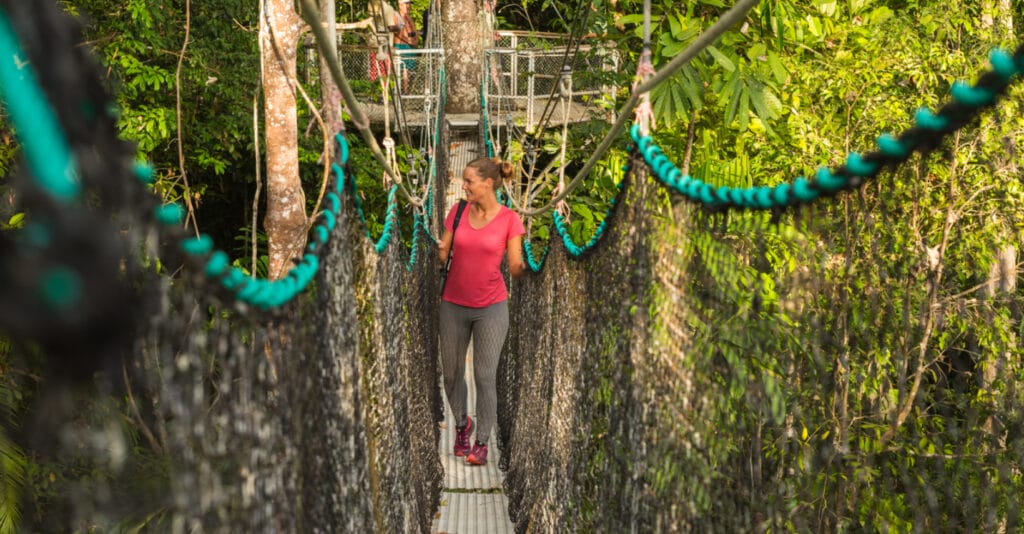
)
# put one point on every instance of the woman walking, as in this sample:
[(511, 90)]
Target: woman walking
[(478, 233)]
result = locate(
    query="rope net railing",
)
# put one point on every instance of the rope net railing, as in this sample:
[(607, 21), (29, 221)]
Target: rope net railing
[(728, 372), (249, 414), (848, 365)]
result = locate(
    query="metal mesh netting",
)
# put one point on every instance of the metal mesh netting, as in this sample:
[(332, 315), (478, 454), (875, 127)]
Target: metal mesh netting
[(523, 73), (419, 90)]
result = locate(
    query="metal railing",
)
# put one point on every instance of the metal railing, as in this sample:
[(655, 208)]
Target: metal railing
[(414, 79), (523, 70)]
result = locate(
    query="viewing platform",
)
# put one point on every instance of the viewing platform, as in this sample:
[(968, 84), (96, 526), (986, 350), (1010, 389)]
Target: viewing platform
[(523, 72)]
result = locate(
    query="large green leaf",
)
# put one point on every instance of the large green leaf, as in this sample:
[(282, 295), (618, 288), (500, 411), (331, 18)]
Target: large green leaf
[(721, 59)]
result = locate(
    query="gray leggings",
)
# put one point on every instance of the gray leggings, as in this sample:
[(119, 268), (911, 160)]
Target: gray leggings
[(488, 327)]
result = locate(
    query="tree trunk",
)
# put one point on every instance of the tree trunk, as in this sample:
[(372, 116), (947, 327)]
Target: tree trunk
[(463, 54), (285, 221), (997, 17), (330, 93)]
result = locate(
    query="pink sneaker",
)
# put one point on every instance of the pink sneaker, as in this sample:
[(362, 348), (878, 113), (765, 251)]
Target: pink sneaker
[(478, 456), (462, 438)]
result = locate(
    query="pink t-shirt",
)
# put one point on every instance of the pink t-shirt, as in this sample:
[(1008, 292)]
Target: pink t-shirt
[(475, 280)]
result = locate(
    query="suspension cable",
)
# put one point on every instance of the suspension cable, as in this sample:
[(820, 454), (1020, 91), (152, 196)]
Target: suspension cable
[(729, 19), (575, 38), (310, 13)]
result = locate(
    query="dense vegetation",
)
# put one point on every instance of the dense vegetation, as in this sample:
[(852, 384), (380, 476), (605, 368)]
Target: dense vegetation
[(800, 84)]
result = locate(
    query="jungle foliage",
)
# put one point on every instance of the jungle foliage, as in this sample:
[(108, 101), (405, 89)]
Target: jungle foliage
[(800, 84)]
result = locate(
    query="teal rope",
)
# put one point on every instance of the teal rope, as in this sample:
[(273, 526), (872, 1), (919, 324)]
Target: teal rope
[(42, 138), (503, 199), (390, 221), (390, 214), (46, 152), (49, 157), (419, 228), (563, 230), (929, 129), (531, 262), (261, 293), (483, 117)]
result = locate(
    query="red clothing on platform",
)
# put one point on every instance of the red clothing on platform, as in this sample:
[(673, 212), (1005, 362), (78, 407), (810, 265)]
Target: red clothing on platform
[(475, 279)]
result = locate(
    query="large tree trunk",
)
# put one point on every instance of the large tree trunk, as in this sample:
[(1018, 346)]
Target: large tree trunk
[(463, 54), (330, 93), (285, 221)]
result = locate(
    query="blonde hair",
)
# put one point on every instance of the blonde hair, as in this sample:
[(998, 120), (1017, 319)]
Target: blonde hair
[(496, 169)]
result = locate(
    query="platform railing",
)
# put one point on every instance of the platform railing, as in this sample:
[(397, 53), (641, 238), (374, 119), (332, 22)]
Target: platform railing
[(524, 69)]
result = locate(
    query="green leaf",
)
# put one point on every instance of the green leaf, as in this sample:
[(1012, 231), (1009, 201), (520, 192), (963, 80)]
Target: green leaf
[(880, 15), (757, 99), (675, 25), (778, 71), (585, 212), (743, 113), (672, 49), (632, 19), (732, 92), (721, 59), (16, 221)]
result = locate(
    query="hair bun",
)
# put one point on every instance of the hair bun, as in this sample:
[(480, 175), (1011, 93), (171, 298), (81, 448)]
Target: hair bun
[(505, 167)]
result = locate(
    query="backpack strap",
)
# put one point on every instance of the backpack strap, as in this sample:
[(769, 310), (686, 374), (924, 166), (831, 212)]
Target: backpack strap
[(451, 251)]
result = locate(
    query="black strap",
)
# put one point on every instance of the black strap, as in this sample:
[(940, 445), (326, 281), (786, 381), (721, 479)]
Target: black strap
[(451, 249)]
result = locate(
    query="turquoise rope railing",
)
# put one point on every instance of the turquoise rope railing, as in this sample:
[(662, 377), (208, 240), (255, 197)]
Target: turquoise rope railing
[(36, 125), (49, 158), (484, 112), (533, 263), (929, 128), (561, 228), (390, 214), (261, 293)]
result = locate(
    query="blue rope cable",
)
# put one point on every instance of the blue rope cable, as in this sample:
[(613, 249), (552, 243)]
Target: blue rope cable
[(483, 117), (575, 250), (534, 264), (563, 230), (42, 137), (927, 133), (49, 158), (262, 293), (390, 221)]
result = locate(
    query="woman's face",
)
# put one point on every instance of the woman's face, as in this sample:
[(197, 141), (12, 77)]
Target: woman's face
[(475, 186)]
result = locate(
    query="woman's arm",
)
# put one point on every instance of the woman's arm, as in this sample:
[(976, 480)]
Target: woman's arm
[(444, 246), (515, 257)]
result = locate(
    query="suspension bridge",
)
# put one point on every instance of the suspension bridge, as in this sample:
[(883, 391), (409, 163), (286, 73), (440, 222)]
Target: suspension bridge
[(647, 370)]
